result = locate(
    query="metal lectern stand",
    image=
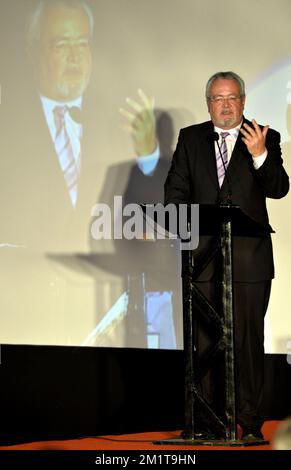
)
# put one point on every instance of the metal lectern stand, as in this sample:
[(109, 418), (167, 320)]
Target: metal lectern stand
[(224, 222)]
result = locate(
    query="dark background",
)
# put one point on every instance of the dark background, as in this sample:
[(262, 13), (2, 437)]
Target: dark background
[(64, 392)]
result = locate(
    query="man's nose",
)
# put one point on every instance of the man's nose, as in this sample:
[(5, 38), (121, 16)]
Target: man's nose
[(225, 103), (73, 53)]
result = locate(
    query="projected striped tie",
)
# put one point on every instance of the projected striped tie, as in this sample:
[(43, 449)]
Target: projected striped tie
[(65, 153)]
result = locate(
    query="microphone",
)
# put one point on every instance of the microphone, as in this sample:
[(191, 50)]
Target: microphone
[(215, 138)]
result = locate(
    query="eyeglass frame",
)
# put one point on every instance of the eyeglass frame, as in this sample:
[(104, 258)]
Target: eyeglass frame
[(221, 99)]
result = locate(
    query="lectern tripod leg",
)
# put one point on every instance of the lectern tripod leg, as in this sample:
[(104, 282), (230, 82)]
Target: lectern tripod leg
[(189, 432), (227, 307)]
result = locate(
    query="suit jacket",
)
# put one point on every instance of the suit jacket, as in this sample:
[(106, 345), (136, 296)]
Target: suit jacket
[(193, 179)]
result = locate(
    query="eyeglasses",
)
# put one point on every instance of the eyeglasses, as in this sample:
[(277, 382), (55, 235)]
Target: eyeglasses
[(220, 99), (64, 45)]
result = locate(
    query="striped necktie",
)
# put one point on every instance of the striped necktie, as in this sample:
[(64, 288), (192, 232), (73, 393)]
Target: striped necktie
[(65, 153), (222, 153)]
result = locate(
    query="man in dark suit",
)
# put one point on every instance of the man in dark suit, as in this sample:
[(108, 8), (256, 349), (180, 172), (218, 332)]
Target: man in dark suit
[(252, 156)]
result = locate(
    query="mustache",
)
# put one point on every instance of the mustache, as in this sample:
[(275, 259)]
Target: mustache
[(74, 68)]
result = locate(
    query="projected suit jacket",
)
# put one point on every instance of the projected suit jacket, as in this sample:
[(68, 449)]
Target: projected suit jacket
[(193, 179), (39, 213)]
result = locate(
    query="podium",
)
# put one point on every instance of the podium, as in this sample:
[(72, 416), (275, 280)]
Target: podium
[(223, 222)]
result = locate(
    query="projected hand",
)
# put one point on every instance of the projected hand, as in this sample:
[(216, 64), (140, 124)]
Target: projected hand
[(254, 138), (141, 123)]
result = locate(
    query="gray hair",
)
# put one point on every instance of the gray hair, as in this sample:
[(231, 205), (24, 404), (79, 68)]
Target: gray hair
[(33, 30), (226, 76)]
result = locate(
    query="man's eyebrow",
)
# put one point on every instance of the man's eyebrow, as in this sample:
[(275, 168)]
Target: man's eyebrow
[(69, 37)]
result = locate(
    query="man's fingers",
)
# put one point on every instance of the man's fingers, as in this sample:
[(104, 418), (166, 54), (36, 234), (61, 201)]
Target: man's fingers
[(136, 123), (259, 131), (244, 133), (126, 127), (265, 130), (148, 102), (249, 129), (128, 115), (134, 105), (140, 116), (140, 111), (144, 97), (255, 124)]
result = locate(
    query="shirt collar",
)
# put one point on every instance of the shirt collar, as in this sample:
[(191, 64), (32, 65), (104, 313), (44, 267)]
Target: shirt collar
[(233, 132), (50, 104)]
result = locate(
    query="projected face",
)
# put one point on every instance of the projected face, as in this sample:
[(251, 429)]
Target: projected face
[(225, 104), (64, 60)]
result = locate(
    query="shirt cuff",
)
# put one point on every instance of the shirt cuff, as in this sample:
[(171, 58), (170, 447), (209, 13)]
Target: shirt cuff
[(258, 161), (148, 163)]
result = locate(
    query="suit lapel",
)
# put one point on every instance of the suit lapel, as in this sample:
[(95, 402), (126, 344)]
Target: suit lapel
[(239, 154)]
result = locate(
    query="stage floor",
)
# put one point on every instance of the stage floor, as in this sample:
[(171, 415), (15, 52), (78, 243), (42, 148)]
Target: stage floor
[(141, 441)]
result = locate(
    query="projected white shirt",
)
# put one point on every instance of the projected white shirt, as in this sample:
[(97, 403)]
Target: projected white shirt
[(146, 163)]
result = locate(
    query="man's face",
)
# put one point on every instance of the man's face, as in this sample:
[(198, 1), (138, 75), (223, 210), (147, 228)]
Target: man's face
[(64, 61), (225, 104)]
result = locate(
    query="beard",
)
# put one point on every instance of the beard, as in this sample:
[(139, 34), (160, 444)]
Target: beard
[(230, 120), (227, 122), (70, 90)]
